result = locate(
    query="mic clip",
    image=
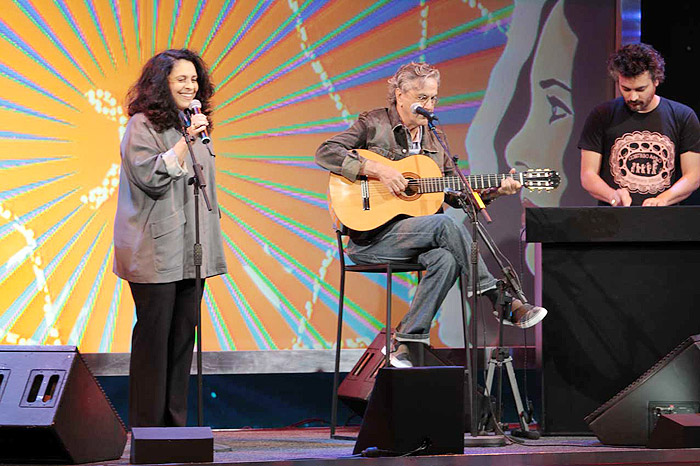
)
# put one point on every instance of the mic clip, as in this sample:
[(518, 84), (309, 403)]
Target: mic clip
[(454, 192), (418, 110)]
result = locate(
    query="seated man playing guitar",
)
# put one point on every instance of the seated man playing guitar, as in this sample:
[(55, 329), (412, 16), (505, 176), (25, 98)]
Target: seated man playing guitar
[(436, 241)]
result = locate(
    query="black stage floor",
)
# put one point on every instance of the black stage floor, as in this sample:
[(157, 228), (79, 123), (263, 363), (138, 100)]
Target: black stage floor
[(312, 446)]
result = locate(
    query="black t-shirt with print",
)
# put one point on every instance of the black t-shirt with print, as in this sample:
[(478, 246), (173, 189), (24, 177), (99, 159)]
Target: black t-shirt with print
[(641, 151)]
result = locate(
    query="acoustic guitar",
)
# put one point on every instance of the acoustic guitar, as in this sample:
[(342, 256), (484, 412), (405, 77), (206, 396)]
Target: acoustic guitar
[(366, 203)]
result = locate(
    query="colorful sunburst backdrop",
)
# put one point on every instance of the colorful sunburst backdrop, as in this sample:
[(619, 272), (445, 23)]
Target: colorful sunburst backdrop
[(288, 75)]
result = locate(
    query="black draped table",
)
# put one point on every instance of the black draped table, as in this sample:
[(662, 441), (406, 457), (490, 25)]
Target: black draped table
[(622, 286)]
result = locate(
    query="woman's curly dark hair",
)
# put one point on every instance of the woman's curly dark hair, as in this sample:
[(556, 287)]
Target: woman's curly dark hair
[(634, 59), (151, 94)]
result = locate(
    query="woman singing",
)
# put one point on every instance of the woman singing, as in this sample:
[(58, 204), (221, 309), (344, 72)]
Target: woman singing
[(154, 232)]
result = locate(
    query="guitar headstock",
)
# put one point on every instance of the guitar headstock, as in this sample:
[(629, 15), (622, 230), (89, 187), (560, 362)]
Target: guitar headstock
[(541, 179)]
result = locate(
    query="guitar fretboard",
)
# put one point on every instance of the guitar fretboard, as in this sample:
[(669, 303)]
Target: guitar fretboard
[(433, 185)]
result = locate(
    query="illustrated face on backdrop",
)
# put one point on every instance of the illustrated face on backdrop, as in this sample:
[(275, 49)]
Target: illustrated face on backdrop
[(531, 80), (183, 83), (638, 91), (423, 92), (544, 136)]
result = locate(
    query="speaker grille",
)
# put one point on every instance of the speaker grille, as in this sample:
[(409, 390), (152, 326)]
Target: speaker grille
[(4, 377)]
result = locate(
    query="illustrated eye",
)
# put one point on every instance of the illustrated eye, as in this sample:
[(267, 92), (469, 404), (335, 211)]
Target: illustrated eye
[(559, 109)]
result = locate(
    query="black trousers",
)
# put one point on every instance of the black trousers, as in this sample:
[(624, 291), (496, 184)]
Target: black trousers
[(161, 352)]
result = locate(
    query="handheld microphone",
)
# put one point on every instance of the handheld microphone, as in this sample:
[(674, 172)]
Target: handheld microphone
[(417, 109), (195, 108)]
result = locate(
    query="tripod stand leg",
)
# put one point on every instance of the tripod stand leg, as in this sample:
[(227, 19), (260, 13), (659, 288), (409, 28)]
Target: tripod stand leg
[(489, 376), (524, 430), (516, 394)]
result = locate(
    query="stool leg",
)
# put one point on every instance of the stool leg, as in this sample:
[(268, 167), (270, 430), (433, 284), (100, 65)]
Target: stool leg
[(338, 344), (388, 315), (418, 349)]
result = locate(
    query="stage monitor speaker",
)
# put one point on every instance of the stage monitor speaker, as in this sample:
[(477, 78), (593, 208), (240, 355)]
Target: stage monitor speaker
[(357, 385), (52, 410), (412, 407), (158, 445), (671, 386), (676, 431)]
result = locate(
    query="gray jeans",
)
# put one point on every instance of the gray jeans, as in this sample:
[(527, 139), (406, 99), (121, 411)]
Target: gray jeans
[(442, 246)]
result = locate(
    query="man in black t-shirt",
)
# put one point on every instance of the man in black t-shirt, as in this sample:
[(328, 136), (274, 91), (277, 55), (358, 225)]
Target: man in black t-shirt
[(640, 149)]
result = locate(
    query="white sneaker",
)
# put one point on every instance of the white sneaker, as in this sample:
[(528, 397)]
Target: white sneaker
[(524, 315), (399, 355)]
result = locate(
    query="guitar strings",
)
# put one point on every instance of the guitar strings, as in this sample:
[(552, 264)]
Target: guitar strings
[(477, 181), (375, 186)]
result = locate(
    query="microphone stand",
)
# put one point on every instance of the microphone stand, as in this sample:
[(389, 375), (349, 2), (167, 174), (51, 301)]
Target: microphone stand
[(472, 205), (509, 281), (198, 182)]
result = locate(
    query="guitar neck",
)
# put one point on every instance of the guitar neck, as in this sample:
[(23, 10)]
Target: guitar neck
[(433, 185)]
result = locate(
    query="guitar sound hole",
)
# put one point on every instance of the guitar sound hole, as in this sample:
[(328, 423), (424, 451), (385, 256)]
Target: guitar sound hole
[(411, 190)]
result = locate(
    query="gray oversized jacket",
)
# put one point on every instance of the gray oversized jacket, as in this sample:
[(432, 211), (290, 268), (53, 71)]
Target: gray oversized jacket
[(154, 224)]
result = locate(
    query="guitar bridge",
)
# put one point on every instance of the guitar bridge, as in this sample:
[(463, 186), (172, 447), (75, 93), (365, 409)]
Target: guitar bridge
[(364, 184)]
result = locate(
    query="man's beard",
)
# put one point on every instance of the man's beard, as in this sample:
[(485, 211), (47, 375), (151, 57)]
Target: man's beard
[(636, 105)]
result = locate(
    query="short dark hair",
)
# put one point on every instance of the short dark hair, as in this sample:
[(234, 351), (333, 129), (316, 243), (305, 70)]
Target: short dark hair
[(634, 59), (151, 94)]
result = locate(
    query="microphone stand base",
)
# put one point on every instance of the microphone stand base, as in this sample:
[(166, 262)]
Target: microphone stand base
[(484, 441), (527, 434)]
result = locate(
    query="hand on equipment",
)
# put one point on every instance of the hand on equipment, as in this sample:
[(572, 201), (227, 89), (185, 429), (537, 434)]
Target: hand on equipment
[(621, 198)]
